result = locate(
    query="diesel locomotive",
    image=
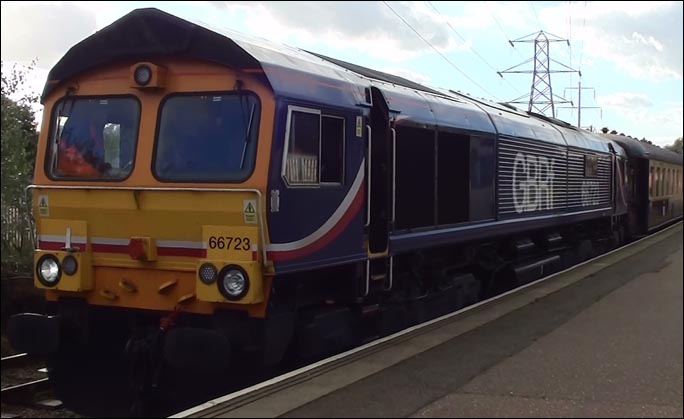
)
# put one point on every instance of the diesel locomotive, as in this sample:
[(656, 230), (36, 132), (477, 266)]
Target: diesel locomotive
[(206, 206)]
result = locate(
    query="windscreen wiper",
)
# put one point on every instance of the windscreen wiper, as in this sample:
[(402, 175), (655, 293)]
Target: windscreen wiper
[(61, 114), (249, 129)]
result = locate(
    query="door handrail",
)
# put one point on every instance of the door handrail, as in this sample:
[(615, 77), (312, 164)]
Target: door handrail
[(369, 161)]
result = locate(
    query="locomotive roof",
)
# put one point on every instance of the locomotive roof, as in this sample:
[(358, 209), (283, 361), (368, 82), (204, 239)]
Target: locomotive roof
[(142, 34), (639, 149), (295, 73), (378, 75)]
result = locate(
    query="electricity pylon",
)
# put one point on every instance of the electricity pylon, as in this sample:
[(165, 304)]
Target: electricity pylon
[(541, 97)]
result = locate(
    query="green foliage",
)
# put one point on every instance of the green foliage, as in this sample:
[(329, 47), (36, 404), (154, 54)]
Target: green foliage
[(676, 147), (18, 139)]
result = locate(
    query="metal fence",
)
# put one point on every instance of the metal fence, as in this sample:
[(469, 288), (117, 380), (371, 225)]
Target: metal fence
[(18, 237)]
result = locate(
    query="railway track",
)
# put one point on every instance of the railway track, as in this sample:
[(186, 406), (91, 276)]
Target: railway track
[(17, 361), (227, 406), (32, 391)]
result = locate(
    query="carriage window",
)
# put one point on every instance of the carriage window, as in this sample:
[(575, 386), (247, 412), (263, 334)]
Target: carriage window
[(315, 148), (651, 180), (208, 137), (666, 182), (93, 138), (673, 181)]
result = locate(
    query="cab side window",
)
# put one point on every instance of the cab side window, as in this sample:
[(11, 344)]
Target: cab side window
[(332, 149), (315, 148)]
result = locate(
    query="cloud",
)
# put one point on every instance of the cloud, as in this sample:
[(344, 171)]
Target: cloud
[(407, 74), (43, 31), (660, 123), (624, 100), (643, 39), (369, 27), (517, 16), (662, 141), (670, 117)]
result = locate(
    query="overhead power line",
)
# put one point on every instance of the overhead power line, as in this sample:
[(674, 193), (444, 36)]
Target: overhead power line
[(502, 31), (579, 106), (584, 23), (472, 48), (438, 52)]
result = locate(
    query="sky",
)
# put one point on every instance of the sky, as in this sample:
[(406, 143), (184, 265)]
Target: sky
[(630, 53)]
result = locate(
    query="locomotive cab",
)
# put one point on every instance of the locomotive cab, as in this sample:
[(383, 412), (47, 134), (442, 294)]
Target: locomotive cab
[(149, 200)]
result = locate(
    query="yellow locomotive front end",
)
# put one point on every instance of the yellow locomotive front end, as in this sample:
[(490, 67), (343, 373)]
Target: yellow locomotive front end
[(165, 250), (148, 199)]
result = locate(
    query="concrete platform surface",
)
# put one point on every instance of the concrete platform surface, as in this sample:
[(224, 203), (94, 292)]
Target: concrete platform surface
[(608, 345)]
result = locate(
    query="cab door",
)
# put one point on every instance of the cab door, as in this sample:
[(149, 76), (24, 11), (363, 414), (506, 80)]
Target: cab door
[(378, 178), (378, 195)]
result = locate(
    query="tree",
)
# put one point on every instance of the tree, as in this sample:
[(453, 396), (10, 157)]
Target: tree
[(18, 140), (676, 146)]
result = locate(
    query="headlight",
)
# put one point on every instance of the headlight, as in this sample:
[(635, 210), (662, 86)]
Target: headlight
[(142, 75), (69, 265), (48, 270), (207, 273), (233, 282)]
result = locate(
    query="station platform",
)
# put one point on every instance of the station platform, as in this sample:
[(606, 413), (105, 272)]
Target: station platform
[(601, 341), (609, 345)]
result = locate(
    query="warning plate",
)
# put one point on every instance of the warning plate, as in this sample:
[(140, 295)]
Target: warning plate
[(249, 207), (43, 206)]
